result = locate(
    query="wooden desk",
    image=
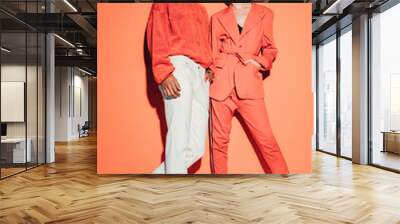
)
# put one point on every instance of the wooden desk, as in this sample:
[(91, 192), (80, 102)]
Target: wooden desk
[(391, 141)]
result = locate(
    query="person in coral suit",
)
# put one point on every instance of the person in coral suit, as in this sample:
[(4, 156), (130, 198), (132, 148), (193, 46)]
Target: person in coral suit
[(179, 45), (243, 47)]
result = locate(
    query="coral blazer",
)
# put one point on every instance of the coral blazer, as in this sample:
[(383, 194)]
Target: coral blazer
[(231, 49)]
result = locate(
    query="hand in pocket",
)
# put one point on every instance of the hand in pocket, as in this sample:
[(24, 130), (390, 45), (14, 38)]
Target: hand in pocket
[(170, 87)]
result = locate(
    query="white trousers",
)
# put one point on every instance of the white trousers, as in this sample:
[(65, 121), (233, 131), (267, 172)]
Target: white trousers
[(187, 118)]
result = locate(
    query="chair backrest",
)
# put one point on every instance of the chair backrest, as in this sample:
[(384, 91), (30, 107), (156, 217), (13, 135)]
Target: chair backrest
[(86, 124)]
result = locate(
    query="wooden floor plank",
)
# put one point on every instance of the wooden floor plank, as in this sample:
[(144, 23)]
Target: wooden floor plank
[(70, 191)]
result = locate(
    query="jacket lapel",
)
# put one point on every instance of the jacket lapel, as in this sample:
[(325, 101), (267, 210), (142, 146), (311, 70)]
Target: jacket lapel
[(228, 21), (253, 18)]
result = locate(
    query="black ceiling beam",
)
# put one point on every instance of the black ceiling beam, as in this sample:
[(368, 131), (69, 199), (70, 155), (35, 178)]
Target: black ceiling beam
[(44, 22), (81, 61), (202, 1), (51, 22), (332, 29), (91, 5), (8, 24)]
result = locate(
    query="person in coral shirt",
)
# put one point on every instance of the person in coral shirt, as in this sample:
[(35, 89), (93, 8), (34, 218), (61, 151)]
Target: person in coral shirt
[(180, 50)]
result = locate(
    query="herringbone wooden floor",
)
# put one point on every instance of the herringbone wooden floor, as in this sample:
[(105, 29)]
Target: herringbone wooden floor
[(69, 191)]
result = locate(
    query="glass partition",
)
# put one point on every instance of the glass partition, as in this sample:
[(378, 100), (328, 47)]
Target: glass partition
[(327, 95), (14, 153), (22, 88)]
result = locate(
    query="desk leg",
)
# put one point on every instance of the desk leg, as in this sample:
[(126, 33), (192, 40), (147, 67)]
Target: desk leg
[(384, 142)]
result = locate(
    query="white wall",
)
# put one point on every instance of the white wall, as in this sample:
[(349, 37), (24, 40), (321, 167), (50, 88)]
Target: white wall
[(70, 83), (81, 84), (34, 126), (13, 101), (16, 73), (61, 103)]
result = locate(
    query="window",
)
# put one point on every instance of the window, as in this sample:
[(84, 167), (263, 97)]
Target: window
[(327, 95), (385, 89), (395, 102), (346, 93)]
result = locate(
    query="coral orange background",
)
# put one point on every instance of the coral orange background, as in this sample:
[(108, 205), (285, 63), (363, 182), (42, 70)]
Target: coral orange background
[(131, 125)]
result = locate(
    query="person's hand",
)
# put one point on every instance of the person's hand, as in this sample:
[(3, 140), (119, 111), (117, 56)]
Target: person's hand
[(170, 87), (209, 75), (254, 62)]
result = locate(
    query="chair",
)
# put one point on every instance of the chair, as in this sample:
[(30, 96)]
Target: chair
[(84, 130)]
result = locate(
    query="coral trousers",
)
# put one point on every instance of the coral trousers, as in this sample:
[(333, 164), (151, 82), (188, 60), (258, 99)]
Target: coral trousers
[(256, 119)]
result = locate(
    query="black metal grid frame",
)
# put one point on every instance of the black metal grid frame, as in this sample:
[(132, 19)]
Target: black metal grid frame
[(333, 37), (389, 4), (30, 29)]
